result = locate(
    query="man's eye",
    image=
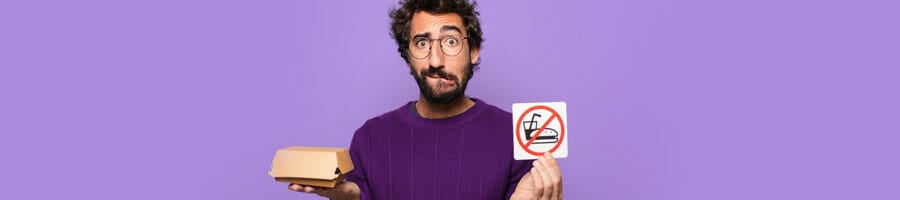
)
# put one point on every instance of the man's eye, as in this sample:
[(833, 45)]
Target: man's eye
[(452, 41), (422, 44)]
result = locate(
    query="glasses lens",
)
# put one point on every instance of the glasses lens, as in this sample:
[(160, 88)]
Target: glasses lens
[(451, 45), (419, 48)]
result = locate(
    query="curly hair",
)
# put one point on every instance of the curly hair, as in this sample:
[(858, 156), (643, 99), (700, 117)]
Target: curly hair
[(401, 18)]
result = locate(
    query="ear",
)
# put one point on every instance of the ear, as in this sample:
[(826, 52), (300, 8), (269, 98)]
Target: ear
[(473, 55)]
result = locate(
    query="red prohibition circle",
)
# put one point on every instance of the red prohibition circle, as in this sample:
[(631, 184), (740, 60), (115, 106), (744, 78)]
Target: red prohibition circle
[(562, 129)]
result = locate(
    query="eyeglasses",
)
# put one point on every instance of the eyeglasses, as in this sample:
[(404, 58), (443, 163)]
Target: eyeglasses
[(420, 47)]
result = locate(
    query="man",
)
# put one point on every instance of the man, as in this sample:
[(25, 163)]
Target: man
[(445, 145)]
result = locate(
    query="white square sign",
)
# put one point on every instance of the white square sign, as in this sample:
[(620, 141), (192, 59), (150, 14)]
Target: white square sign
[(539, 128)]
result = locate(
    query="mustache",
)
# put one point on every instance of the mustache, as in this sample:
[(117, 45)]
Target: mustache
[(438, 72)]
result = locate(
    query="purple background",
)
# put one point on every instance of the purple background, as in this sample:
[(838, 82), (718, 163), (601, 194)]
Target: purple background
[(667, 99)]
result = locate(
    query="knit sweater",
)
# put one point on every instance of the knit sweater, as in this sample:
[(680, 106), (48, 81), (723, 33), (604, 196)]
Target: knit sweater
[(400, 155)]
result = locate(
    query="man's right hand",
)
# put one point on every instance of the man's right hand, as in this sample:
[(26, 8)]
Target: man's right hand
[(343, 191)]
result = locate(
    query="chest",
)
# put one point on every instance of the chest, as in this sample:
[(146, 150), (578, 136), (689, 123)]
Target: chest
[(459, 163)]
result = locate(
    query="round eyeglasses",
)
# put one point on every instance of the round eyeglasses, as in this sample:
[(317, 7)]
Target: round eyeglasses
[(420, 47)]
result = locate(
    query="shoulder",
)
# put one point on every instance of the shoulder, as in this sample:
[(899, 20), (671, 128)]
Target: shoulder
[(496, 113)]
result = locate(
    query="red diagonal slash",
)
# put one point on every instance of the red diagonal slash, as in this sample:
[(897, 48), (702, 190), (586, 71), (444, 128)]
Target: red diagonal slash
[(541, 130)]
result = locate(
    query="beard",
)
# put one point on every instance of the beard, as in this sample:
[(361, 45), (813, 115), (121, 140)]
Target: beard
[(431, 94)]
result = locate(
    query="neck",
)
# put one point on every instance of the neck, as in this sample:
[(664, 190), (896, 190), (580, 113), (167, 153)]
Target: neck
[(431, 110)]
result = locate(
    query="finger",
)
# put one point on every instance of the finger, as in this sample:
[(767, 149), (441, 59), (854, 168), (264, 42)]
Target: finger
[(552, 167), (309, 189), (295, 187), (536, 180), (551, 161), (549, 164), (301, 188), (545, 179), (555, 186)]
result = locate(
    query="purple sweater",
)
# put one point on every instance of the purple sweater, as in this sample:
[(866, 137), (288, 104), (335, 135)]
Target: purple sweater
[(400, 155)]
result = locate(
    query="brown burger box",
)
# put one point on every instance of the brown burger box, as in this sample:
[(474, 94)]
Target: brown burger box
[(313, 166)]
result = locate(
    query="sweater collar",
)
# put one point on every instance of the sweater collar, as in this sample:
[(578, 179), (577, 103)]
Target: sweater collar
[(409, 114)]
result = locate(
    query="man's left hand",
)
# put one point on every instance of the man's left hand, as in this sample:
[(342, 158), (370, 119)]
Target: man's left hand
[(544, 182)]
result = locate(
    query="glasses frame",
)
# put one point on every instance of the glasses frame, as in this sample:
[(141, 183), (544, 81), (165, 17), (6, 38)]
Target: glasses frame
[(430, 42)]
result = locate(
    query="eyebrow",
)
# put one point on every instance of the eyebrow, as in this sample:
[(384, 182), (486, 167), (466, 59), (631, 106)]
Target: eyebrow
[(450, 28), (424, 35), (444, 28)]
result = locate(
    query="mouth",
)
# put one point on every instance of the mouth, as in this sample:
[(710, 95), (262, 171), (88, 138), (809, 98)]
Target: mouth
[(441, 80)]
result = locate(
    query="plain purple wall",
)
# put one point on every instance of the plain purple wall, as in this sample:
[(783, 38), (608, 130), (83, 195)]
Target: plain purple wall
[(667, 99)]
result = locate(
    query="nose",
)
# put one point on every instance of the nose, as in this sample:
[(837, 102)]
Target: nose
[(437, 56)]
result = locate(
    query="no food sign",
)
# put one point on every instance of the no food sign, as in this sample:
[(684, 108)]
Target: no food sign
[(539, 128)]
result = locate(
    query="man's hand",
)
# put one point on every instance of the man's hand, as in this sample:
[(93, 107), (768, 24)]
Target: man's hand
[(544, 182), (343, 191)]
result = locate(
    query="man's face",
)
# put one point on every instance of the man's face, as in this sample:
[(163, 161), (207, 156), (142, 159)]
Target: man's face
[(442, 78)]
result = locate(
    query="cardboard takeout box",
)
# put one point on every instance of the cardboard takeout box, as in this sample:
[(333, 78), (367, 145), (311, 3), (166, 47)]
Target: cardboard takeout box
[(313, 166)]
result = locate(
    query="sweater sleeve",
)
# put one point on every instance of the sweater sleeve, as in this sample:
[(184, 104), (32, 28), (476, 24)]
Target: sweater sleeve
[(358, 147)]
